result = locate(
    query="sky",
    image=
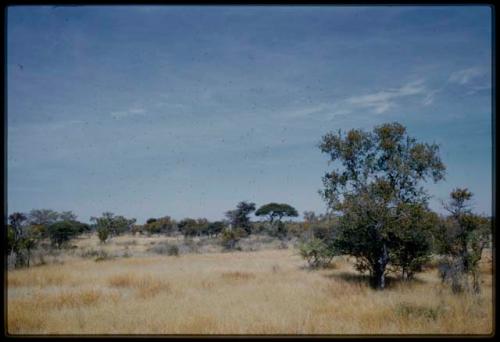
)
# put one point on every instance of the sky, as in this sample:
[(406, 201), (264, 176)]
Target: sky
[(148, 111)]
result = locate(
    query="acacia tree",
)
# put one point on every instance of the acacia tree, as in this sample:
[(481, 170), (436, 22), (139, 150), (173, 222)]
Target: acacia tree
[(374, 173), (276, 211), (239, 217)]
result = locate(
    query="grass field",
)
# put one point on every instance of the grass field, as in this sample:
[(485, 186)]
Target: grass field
[(268, 291)]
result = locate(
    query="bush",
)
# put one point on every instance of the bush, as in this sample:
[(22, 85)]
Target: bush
[(103, 234), (231, 237), (165, 248), (103, 255), (317, 253), (412, 311), (173, 250), (452, 272)]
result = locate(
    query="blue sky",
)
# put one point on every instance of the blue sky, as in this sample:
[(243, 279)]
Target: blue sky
[(185, 111)]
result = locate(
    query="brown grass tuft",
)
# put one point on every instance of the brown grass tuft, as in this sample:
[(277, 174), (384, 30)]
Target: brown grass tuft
[(237, 275)]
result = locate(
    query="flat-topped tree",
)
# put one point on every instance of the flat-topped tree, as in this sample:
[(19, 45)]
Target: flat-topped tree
[(275, 212), (375, 175)]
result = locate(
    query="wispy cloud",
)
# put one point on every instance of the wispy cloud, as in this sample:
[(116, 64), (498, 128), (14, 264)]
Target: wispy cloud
[(381, 102), (129, 112), (465, 76), (377, 102)]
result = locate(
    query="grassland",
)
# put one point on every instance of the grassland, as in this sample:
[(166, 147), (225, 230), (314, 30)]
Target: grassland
[(266, 291)]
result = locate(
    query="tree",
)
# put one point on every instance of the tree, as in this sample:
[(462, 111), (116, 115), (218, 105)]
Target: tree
[(16, 233), (67, 216), (115, 225), (189, 227), (276, 211), (238, 218), (375, 172), (160, 225), (412, 244), (42, 218), (61, 232), (462, 238), (215, 228)]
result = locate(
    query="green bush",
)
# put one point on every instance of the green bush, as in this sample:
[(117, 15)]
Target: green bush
[(231, 237), (103, 234), (317, 253), (412, 311)]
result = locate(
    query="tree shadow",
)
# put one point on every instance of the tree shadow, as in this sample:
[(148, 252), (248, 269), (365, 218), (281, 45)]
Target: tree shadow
[(391, 281), (331, 266)]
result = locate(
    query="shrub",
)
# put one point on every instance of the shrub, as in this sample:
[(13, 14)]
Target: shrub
[(412, 311), (165, 248), (317, 253), (103, 234), (173, 250), (102, 256), (231, 237)]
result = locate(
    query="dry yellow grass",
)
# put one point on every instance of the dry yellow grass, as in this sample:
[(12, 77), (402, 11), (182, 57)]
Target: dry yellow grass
[(264, 292)]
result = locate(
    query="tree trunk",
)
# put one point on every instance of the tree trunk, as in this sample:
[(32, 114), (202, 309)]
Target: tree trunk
[(378, 276), (404, 274)]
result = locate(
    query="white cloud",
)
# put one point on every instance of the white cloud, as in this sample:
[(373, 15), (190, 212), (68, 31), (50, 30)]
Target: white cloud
[(377, 102), (129, 112), (382, 101), (464, 76), (429, 98)]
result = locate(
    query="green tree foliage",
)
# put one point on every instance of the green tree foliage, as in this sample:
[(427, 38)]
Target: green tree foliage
[(411, 244), (239, 217), (163, 225), (231, 237), (462, 237), (193, 227), (374, 173), (317, 252), (61, 232), (42, 218), (103, 233), (115, 225), (215, 228), (275, 212)]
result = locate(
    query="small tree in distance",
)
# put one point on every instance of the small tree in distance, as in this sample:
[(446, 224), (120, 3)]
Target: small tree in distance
[(238, 218), (276, 211)]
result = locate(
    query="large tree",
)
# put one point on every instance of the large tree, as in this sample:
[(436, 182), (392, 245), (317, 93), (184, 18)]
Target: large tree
[(374, 174), (239, 217)]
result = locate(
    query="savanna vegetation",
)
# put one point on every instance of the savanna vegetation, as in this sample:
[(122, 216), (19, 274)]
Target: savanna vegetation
[(378, 261)]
